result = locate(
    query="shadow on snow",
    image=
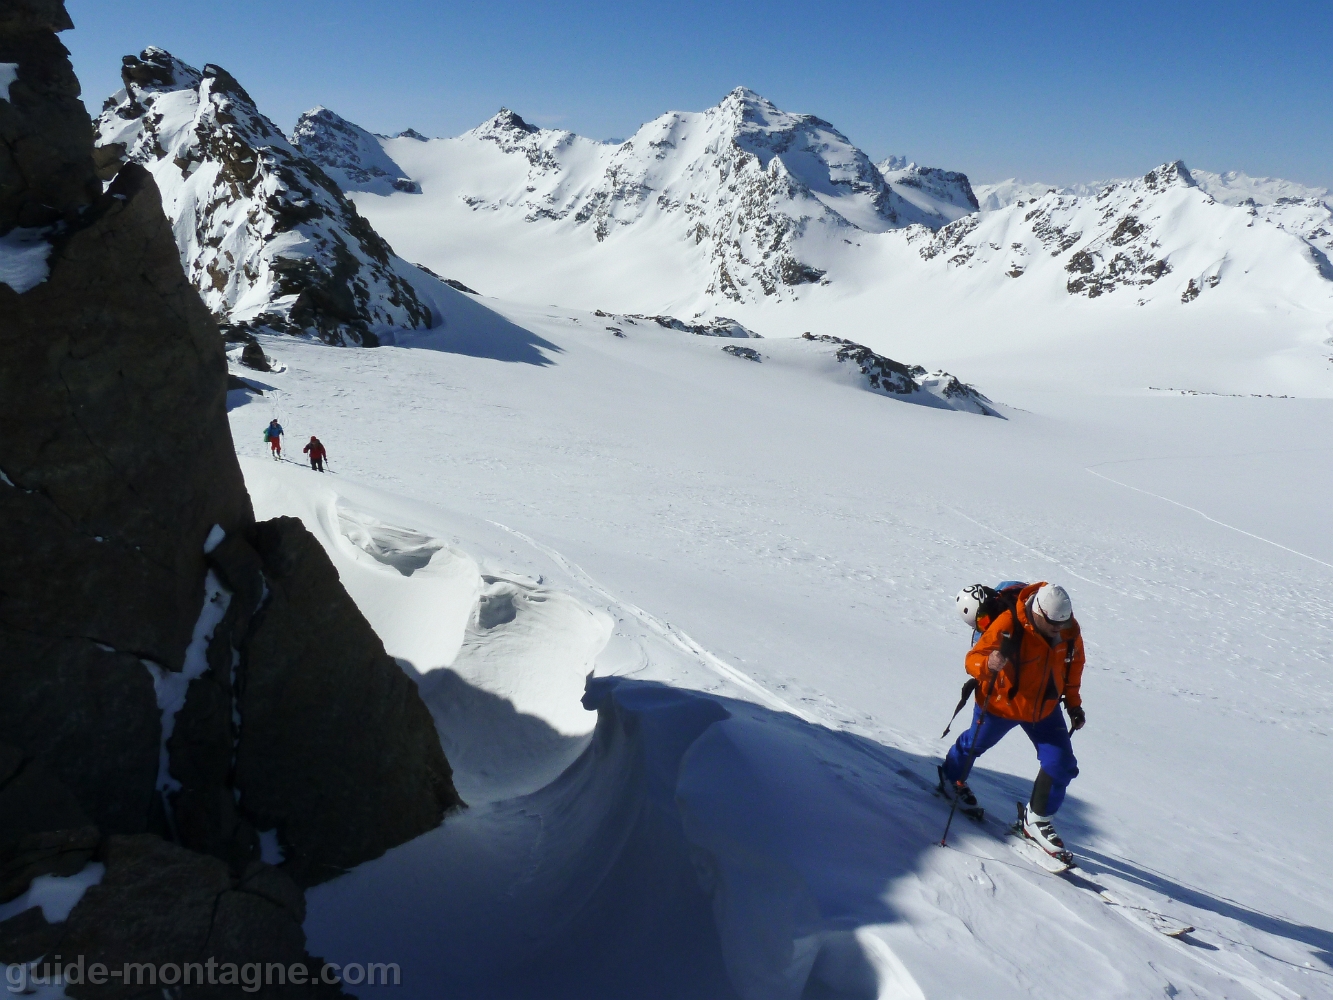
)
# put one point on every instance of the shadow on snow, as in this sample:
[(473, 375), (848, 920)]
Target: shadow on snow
[(695, 846), (469, 328)]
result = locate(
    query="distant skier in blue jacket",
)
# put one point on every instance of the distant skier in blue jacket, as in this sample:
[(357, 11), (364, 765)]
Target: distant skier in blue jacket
[(273, 435)]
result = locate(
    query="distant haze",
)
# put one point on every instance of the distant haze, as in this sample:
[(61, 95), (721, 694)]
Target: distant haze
[(1039, 91)]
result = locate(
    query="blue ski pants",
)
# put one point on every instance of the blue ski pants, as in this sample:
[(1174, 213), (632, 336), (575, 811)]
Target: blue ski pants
[(1049, 736)]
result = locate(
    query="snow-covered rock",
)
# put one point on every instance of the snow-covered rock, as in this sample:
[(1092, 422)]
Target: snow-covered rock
[(718, 326), (944, 196), (910, 382), (1131, 234), (264, 234), (349, 154)]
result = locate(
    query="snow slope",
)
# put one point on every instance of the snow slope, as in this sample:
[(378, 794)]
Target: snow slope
[(757, 562)]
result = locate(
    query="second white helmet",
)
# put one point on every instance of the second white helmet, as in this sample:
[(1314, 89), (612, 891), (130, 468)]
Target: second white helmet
[(969, 601)]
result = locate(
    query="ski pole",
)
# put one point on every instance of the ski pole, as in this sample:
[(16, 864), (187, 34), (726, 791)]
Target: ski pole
[(971, 756), (969, 686)]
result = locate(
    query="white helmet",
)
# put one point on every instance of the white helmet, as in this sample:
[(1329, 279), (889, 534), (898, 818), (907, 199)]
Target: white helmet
[(969, 602)]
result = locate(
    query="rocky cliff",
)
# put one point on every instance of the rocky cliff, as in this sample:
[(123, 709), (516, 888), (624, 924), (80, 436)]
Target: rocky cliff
[(264, 235), (174, 678)]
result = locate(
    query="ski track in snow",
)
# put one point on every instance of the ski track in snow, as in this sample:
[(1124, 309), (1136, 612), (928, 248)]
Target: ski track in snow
[(1206, 517)]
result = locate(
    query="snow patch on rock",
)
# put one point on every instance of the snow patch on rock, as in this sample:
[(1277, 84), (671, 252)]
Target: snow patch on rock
[(9, 72), (23, 255)]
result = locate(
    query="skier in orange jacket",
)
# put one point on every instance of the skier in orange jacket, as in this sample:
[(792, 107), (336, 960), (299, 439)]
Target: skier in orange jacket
[(1027, 660)]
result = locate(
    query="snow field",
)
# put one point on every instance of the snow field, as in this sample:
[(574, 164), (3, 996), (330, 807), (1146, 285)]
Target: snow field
[(761, 535)]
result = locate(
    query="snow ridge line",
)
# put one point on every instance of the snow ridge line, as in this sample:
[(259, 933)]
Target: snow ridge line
[(667, 631), (1249, 534)]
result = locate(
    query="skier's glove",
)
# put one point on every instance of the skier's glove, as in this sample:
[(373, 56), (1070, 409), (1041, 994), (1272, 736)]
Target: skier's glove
[(1077, 718)]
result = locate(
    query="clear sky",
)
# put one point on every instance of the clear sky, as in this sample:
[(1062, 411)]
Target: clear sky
[(1056, 92)]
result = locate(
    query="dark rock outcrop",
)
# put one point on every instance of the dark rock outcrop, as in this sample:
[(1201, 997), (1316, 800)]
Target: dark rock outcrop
[(320, 694), (252, 356), (114, 436), (46, 174), (159, 903), (43, 831), (117, 472)]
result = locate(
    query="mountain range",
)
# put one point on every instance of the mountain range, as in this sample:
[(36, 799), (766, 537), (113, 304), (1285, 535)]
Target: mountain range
[(742, 211)]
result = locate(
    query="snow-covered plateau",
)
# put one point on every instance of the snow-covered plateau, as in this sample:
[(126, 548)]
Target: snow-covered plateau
[(686, 625)]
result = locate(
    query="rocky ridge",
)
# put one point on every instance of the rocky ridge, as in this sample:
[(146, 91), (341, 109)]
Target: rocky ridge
[(265, 236), (1298, 209), (1127, 236), (945, 194), (718, 326), (884, 375), (174, 678), (351, 156)]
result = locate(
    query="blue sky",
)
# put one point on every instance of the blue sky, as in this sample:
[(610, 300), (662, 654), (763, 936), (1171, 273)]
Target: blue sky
[(1043, 91)]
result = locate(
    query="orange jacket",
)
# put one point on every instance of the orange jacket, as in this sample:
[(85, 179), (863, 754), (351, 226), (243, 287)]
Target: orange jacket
[(1030, 690)]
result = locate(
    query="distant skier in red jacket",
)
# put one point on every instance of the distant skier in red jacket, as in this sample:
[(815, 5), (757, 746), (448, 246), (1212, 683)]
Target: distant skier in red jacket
[(316, 452)]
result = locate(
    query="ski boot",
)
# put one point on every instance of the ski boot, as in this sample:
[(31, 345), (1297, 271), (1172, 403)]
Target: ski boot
[(1040, 831), (957, 791)]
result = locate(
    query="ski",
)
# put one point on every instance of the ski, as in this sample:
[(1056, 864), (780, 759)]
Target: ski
[(1159, 922), (1064, 866)]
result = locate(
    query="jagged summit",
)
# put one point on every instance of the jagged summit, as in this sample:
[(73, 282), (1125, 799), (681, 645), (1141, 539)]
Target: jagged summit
[(155, 70), (505, 120), (349, 154), (1170, 174), (944, 194), (267, 238)]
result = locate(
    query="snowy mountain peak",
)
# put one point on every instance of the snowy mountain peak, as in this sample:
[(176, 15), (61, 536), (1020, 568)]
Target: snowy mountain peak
[(505, 124), (1173, 174), (1142, 234), (349, 154), (1233, 187), (742, 188), (265, 236), (411, 133)]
